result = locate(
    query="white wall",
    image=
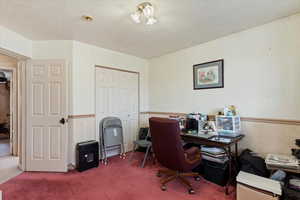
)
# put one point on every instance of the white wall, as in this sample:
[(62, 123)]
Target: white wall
[(262, 68), (52, 49), (15, 43), (261, 78), (82, 59), (85, 57)]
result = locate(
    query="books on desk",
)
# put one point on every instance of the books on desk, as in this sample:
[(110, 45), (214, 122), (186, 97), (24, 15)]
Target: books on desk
[(212, 150), (214, 154), (221, 160)]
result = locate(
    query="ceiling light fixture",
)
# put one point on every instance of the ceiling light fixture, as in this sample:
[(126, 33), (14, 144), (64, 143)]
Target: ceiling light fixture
[(87, 18), (144, 13)]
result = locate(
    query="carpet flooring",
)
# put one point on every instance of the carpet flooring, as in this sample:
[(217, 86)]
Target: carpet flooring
[(119, 180)]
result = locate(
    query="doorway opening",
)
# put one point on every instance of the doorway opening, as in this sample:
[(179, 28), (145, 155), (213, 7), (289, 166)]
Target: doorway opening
[(10, 121), (9, 160), (5, 113)]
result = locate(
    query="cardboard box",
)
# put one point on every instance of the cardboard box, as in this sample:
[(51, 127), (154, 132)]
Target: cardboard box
[(249, 193)]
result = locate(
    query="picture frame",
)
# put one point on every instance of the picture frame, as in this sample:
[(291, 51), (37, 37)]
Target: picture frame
[(209, 75)]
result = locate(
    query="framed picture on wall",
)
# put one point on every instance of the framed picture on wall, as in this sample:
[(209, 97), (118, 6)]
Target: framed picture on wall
[(209, 75)]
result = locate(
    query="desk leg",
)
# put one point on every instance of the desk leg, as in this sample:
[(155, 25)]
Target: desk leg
[(230, 171), (236, 151)]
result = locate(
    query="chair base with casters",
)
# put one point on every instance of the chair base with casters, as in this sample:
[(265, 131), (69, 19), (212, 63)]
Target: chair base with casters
[(169, 152), (171, 175)]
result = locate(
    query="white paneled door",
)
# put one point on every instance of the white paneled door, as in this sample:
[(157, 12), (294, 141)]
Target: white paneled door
[(117, 95), (47, 132)]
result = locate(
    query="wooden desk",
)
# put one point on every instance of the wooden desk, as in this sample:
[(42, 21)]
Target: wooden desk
[(226, 146)]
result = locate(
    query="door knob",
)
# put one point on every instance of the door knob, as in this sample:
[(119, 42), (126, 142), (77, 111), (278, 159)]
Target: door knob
[(62, 121)]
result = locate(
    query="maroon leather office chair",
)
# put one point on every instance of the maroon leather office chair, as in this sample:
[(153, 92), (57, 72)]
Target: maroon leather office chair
[(167, 146)]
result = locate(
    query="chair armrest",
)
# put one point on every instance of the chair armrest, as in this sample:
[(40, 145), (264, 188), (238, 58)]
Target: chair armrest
[(192, 155)]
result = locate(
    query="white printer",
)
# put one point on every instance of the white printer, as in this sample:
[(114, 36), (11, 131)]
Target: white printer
[(252, 187)]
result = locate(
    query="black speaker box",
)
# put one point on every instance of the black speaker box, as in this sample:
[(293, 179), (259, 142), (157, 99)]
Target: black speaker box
[(87, 155)]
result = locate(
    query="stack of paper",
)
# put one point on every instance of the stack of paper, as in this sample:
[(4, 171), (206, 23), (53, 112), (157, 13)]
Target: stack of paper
[(283, 161), (212, 150), (214, 154)]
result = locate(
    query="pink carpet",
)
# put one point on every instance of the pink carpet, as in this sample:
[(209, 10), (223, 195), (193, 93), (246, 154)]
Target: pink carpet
[(120, 180)]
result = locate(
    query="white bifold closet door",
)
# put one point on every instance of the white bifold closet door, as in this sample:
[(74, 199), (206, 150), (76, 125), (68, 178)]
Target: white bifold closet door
[(117, 95)]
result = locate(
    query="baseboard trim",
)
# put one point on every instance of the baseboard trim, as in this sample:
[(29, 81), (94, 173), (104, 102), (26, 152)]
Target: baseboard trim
[(246, 119)]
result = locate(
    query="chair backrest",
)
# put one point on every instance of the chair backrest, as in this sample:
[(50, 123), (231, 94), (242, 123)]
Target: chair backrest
[(111, 122), (144, 134), (166, 143)]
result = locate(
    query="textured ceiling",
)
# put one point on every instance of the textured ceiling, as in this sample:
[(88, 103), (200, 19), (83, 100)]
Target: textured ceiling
[(182, 23)]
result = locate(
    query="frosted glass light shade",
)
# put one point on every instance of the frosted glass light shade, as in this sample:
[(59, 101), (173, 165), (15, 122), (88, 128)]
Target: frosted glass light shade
[(151, 21), (136, 17), (144, 14), (148, 11)]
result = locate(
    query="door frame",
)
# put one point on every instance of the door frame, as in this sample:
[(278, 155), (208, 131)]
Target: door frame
[(121, 70), (13, 111), (22, 113), (21, 101)]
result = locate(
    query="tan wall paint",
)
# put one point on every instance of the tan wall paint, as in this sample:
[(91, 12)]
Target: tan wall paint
[(10, 64), (4, 103), (260, 137), (7, 61), (269, 138)]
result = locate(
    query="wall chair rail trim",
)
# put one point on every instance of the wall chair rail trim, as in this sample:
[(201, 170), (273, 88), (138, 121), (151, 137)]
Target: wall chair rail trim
[(81, 116), (246, 119)]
